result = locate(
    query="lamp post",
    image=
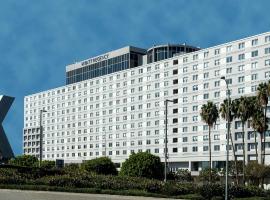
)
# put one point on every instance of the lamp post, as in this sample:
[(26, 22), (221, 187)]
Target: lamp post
[(166, 139), (40, 136), (228, 132)]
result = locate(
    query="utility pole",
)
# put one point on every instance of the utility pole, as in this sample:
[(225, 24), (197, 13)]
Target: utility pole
[(40, 136), (166, 139), (228, 132)]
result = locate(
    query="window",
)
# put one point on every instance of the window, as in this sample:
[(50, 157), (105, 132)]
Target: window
[(217, 51), (175, 81), (241, 67), (175, 62), (241, 90), (241, 79), (185, 149), (217, 62), (195, 77), (217, 94), (241, 56), (205, 148), (267, 38), (194, 148), (206, 75), (206, 64), (206, 54), (185, 69), (229, 59), (175, 71), (206, 96), (254, 77), (205, 85), (185, 89), (254, 42), (229, 70), (241, 45), (216, 72), (175, 140), (254, 88), (267, 74), (229, 48), (175, 150), (216, 148), (254, 53), (267, 50), (267, 62), (254, 65), (217, 83), (195, 108), (185, 139), (195, 87), (195, 67), (175, 91)]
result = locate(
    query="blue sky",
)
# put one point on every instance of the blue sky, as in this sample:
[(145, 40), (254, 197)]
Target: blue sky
[(39, 38)]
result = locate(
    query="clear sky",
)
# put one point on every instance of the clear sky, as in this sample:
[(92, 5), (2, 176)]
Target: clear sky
[(39, 38)]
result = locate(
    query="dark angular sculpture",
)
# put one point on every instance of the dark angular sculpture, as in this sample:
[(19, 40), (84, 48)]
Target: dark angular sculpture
[(5, 148)]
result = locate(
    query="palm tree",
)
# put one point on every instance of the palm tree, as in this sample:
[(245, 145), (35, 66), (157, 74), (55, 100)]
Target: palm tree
[(224, 114), (257, 122), (209, 114), (242, 111), (263, 91)]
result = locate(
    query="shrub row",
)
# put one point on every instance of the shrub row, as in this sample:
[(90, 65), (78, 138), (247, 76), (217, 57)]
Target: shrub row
[(82, 179)]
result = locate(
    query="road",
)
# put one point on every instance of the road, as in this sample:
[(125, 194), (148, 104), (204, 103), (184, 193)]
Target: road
[(44, 195)]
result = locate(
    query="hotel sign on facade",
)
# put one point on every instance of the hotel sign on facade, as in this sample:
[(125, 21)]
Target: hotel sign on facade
[(95, 60)]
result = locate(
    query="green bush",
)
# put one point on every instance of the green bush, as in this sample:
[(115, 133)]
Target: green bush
[(102, 165), (71, 168), (183, 175), (176, 189), (143, 164), (210, 190), (246, 191), (24, 161), (47, 164), (205, 173)]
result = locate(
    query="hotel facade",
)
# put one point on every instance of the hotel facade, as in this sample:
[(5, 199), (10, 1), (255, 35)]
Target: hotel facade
[(113, 104)]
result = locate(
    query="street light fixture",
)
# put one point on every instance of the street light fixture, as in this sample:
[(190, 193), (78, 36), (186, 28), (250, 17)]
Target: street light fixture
[(166, 139), (228, 132), (40, 136)]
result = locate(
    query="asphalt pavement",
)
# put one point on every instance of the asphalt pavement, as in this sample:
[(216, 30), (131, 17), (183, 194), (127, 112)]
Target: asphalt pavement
[(45, 195)]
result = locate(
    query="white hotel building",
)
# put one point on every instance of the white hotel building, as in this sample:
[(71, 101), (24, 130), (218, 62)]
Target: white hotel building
[(113, 104)]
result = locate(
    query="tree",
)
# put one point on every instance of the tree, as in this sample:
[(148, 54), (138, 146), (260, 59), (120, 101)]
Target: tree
[(209, 114), (183, 175), (224, 114), (257, 123), (263, 91), (47, 164), (143, 164), (24, 161), (257, 172), (102, 165), (242, 111)]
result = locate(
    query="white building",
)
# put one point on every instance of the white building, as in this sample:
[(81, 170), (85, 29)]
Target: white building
[(113, 104)]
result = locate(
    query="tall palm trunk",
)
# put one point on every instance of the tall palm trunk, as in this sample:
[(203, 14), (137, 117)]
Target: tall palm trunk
[(235, 159), (261, 138), (256, 146), (210, 154), (244, 151), (264, 133)]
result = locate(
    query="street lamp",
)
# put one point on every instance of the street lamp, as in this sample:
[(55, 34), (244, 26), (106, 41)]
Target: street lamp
[(166, 138), (228, 132), (40, 136)]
